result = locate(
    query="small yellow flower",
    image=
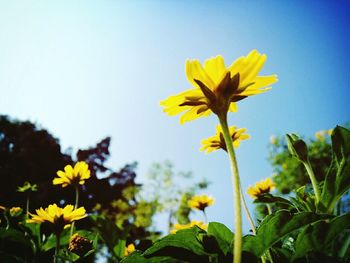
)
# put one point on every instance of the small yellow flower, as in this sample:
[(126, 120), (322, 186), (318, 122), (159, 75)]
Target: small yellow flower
[(217, 88), (73, 176), (193, 223), (58, 217), (329, 132), (200, 202), (262, 187), (273, 140), (15, 211), (320, 135), (129, 249), (217, 141)]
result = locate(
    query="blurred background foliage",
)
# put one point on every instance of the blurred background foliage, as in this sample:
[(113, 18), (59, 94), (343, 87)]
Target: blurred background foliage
[(29, 153)]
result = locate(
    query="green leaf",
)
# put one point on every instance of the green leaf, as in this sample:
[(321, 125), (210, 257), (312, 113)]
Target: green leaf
[(281, 255), (318, 236), (15, 236), (276, 226), (184, 244), (50, 242), (223, 236), (337, 180), (119, 248), (137, 257), (269, 198), (14, 242)]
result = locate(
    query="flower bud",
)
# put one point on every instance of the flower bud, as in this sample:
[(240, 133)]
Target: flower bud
[(297, 147), (79, 245)]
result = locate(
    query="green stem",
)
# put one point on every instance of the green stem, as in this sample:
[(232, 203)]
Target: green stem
[(58, 236), (76, 197), (267, 254), (237, 249), (269, 210), (247, 213), (250, 219), (313, 179), (205, 217), (27, 205), (75, 207)]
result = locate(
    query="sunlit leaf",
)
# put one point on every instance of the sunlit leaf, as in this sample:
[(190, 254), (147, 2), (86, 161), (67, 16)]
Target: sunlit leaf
[(183, 245), (223, 236)]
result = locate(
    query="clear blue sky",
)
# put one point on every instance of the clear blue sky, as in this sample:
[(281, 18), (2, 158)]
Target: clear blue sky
[(89, 69)]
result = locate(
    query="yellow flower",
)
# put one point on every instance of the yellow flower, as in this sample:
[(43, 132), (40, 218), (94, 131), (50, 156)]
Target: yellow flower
[(329, 132), (73, 176), (15, 211), (200, 202), (217, 141), (58, 217), (217, 88), (320, 135), (262, 187), (193, 223), (129, 249), (273, 140)]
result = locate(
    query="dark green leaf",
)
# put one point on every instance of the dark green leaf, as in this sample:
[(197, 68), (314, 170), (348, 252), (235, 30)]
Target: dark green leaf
[(318, 236), (280, 255), (337, 180), (137, 257), (276, 226), (15, 236), (269, 198)]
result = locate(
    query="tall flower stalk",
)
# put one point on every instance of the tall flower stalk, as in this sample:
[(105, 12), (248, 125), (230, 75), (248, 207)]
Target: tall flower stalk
[(237, 250), (27, 188), (75, 207), (217, 89)]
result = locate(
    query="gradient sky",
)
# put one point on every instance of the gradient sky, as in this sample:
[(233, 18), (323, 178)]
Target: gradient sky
[(89, 69)]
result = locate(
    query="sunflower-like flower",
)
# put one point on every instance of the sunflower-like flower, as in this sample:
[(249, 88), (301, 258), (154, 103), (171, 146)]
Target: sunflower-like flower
[(217, 88), (193, 223), (129, 249), (73, 176), (262, 187), (217, 141), (58, 217), (200, 202)]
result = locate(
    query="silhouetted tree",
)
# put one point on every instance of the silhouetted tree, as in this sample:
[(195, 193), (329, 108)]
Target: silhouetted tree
[(28, 153)]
